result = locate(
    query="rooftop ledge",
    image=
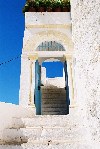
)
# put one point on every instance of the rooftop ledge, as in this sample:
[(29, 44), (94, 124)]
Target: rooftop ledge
[(42, 18)]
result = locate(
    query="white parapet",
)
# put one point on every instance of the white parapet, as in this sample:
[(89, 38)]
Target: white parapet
[(33, 18)]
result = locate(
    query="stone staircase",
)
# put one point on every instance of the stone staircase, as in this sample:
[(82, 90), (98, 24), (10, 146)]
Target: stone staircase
[(44, 132), (52, 130), (53, 101)]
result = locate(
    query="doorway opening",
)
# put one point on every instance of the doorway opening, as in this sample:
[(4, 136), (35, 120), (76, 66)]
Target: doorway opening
[(51, 82)]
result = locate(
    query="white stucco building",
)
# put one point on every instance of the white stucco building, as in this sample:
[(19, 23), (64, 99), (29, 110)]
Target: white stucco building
[(72, 38)]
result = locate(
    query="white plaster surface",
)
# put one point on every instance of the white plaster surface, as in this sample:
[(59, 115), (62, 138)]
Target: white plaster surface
[(8, 111), (85, 31), (57, 81), (47, 18), (43, 75)]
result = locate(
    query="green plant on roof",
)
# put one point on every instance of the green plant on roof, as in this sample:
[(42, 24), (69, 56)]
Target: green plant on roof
[(65, 3), (48, 3), (57, 3)]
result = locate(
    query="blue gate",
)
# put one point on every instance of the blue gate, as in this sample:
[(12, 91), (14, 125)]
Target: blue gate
[(38, 88), (66, 87)]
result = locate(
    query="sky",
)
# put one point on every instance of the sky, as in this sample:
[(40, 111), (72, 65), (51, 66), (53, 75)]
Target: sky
[(11, 41)]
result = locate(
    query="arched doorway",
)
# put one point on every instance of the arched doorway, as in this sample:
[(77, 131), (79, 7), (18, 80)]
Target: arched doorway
[(44, 93)]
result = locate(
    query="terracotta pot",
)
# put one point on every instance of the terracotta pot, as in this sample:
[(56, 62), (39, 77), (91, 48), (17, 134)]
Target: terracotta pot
[(65, 9), (49, 9), (41, 9), (32, 9), (57, 9)]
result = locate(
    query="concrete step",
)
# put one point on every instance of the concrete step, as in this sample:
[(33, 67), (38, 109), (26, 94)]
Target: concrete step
[(19, 136), (49, 91), (54, 113), (54, 96), (51, 145), (48, 120), (53, 105), (11, 147), (54, 101), (57, 109), (54, 89)]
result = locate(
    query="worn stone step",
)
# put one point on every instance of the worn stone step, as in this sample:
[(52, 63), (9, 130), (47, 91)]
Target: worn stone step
[(53, 91), (54, 113), (54, 96), (11, 147), (19, 136), (47, 101), (57, 145), (53, 105), (48, 120), (47, 88), (49, 145), (52, 109)]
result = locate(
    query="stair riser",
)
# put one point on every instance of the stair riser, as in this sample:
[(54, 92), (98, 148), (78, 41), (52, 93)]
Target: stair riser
[(53, 102), (21, 136), (56, 90), (44, 121), (67, 145), (54, 109), (53, 96), (54, 113), (54, 106)]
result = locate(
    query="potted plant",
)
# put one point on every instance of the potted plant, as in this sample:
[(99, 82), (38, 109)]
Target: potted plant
[(32, 6), (40, 4), (57, 5), (26, 7), (48, 5), (66, 5)]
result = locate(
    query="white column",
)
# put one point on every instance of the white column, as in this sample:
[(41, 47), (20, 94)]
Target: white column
[(70, 83), (24, 93), (32, 87), (33, 59), (30, 93)]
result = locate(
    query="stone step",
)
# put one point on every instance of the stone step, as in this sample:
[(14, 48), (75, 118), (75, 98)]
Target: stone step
[(53, 91), (10, 147), (54, 96), (22, 135), (55, 101), (51, 88), (51, 145), (48, 120), (57, 109), (54, 113), (53, 105)]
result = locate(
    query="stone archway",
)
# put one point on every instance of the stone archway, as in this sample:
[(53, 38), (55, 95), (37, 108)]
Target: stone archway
[(30, 55), (35, 40)]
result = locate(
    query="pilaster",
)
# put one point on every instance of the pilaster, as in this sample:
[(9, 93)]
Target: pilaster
[(70, 71), (27, 80)]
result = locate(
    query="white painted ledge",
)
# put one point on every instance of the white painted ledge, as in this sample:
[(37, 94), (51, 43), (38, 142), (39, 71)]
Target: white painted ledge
[(37, 18)]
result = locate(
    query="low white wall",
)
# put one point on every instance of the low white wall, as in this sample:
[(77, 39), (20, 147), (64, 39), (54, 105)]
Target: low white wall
[(58, 81), (8, 111)]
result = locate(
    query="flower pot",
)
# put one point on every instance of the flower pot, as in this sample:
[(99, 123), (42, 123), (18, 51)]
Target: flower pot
[(65, 9), (32, 9), (41, 9), (49, 9), (57, 9)]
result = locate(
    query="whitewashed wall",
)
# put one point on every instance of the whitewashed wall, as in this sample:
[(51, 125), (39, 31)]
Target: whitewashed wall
[(8, 111), (86, 38)]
